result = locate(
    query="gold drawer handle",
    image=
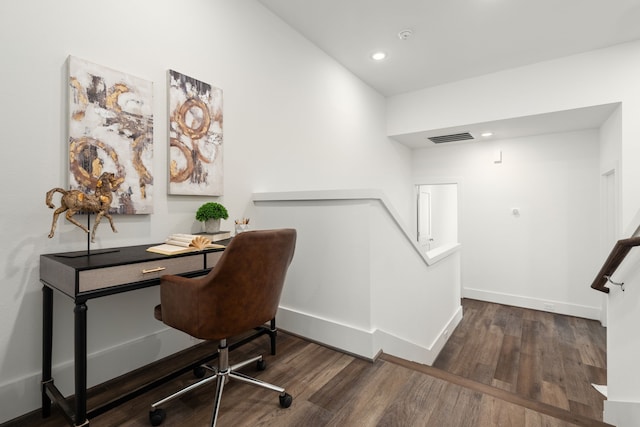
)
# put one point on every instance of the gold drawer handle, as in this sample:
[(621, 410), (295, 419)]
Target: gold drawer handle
[(153, 270)]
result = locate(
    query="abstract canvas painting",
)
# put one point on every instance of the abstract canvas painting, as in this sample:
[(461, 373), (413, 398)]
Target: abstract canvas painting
[(195, 137), (111, 130)]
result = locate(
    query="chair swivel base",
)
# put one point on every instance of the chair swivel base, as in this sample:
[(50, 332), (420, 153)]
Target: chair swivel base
[(222, 374)]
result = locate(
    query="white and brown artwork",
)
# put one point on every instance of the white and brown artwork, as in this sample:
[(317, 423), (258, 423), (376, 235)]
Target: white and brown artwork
[(195, 137), (111, 130)]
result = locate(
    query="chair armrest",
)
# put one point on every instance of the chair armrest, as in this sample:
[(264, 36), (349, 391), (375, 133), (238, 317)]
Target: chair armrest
[(179, 301)]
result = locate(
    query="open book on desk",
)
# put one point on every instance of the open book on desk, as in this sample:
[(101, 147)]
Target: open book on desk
[(183, 243)]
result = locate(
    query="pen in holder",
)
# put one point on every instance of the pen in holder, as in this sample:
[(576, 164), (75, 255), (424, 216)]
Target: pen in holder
[(242, 225)]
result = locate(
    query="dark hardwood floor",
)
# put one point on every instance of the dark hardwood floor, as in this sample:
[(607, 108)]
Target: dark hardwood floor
[(543, 356), (494, 354)]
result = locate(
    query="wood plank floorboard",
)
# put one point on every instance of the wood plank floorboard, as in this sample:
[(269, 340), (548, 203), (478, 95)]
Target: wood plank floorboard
[(331, 388), (543, 356)]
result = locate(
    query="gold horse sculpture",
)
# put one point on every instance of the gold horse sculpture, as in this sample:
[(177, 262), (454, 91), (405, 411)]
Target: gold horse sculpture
[(74, 201)]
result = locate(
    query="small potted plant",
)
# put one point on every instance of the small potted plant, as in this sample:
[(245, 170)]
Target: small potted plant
[(211, 213)]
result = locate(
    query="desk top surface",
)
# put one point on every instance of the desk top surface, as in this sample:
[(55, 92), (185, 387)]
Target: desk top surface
[(102, 258)]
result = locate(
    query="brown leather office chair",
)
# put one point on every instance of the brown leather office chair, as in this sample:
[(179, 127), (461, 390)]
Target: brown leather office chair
[(240, 293)]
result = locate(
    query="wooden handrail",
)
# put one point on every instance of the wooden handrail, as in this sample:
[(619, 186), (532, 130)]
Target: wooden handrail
[(617, 255)]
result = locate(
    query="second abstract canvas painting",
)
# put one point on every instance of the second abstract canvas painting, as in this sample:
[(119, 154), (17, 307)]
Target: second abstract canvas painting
[(195, 134)]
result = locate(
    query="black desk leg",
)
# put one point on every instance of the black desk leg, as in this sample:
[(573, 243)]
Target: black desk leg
[(80, 356), (47, 344)]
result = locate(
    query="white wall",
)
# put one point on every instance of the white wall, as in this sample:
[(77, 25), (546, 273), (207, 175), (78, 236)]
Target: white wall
[(610, 137), (416, 305), (593, 78), (610, 215), (368, 286), (622, 407), (294, 119), (548, 253)]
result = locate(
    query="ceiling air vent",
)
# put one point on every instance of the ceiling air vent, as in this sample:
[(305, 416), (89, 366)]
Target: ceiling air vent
[(451, 138)]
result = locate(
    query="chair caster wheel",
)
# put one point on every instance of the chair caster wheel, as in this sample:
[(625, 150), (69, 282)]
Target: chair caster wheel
[(199, 372), (261, 365), (157, 416), (285, 400)]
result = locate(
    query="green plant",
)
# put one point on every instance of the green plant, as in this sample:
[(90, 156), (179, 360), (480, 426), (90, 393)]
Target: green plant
[(211, 210)]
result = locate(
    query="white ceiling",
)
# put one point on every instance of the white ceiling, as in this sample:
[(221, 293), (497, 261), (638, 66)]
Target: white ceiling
[(457, 39)]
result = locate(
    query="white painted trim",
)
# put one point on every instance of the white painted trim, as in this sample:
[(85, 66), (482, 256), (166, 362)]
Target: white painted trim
[(429, 258), (361, 342), (438, 344), (348, 338), (621, 414), (413, 352), (533, 303), (611, 170)]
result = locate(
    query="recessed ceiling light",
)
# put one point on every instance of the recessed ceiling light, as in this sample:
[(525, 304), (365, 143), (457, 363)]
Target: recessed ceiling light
[(378, 56), (486, 134)]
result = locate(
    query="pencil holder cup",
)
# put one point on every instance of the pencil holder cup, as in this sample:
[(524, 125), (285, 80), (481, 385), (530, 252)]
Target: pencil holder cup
[(241, 228)]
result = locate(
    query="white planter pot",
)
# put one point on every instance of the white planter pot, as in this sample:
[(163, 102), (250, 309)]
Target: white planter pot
[(212, 226)]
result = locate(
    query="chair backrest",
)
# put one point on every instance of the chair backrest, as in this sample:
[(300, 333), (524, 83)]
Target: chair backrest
[(243, 290)]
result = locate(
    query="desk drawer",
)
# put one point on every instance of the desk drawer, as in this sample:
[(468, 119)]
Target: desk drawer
[(90, 280)]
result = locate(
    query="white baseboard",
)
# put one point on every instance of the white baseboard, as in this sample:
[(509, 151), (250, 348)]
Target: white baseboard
[(363, 343), (534, 303), (348, 338), (22, 395), (621, 414), (404, 349)]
